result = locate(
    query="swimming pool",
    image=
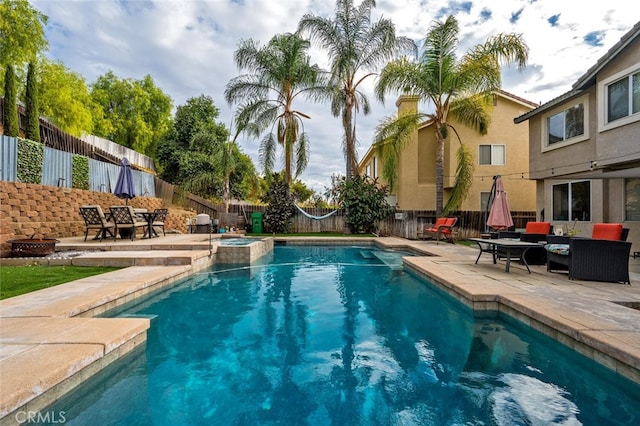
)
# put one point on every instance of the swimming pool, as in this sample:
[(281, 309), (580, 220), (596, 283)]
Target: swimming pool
[(341, 335)]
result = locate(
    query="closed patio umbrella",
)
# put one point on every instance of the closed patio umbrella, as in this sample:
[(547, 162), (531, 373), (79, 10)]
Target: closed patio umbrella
[(500, 215), (124, 185)]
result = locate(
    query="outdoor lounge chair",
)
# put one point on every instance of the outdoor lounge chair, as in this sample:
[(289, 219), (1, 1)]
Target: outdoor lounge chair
[(125, 221), (603, 257), (161, 217), (443, 227), (95, 219)]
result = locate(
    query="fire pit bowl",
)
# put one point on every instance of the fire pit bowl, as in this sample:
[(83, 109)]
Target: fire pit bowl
[(32, 247)]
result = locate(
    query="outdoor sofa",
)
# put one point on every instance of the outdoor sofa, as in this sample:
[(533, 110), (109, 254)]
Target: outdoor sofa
[(603, 257)]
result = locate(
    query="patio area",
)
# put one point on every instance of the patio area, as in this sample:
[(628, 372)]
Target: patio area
[(51, 340)]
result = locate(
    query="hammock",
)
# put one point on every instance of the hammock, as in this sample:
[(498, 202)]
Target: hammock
[(316, 217)]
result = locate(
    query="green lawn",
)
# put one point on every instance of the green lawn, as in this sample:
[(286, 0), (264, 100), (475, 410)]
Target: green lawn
[(17, 280)]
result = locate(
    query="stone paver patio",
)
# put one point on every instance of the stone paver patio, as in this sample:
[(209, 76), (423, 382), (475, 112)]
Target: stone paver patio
[(50, 340)]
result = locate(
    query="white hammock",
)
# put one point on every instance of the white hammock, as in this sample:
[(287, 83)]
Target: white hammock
[(316, 217)]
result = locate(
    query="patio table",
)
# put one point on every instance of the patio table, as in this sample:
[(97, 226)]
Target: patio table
[(515, 249), (150, 217)]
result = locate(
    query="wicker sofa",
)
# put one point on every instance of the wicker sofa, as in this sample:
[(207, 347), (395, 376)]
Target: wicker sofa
[(603, 257)]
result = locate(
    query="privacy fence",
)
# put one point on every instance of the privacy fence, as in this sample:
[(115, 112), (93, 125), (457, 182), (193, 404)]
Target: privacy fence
[(403, 223)]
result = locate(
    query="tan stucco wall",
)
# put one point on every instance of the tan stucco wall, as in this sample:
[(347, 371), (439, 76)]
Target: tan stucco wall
[(416, 183)]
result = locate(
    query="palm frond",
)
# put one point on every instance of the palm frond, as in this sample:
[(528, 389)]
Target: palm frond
[(391, 136), (267, 152), (473, 111), (464, 179), (302, 154)]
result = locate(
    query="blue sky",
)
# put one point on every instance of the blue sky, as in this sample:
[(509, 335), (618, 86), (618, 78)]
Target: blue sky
[(187, 47)]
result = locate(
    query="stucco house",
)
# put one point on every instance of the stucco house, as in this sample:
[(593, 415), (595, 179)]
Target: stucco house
[(584, 146), (504, 151)]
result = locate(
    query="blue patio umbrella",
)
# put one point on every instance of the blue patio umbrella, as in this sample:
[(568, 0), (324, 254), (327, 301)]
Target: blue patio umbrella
[(124, 185)]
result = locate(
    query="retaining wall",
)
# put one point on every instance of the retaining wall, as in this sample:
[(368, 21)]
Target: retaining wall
[(27, 209)]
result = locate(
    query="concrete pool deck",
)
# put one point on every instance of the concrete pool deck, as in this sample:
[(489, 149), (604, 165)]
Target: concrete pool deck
[(50, 341)]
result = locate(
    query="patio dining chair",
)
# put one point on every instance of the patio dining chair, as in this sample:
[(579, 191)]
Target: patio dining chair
[(95, 219), (125, 221), (161, 217)]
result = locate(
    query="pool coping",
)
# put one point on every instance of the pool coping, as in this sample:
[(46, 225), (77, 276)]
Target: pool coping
[(31, 327)]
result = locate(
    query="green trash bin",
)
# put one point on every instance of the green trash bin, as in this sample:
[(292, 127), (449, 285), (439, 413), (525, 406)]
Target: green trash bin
[(256, 222)]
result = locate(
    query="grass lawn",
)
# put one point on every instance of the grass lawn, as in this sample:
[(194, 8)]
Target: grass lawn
[(17, 280)]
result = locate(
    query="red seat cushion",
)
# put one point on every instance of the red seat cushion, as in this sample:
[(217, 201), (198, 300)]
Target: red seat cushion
[(607, 231), (538, 228), (439, 222)]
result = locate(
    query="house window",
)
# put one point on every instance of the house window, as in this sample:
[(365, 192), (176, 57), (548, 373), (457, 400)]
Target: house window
[(572, 201), (566, 124), (492, 155), (632, 199), (623, 97), (367, 171)]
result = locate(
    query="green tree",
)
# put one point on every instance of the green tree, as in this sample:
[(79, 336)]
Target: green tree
[(278, 73), (300, 192), (455, 88), (357, 47), (215, 167), (64, 98), (22, 35), (10, 123), (198, 114), (32, 111), (136, 112)]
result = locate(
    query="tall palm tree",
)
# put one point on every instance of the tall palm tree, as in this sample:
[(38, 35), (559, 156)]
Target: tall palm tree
[(455, 88), (278, 73), (356, 47)]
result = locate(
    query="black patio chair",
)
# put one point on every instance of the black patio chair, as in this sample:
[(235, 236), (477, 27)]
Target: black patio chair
[(95, 219), (125, 221)]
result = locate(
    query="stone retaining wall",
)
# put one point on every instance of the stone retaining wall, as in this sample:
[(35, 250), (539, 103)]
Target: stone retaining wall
[(27, 209)]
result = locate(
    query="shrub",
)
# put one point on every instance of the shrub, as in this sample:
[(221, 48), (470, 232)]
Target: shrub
[(80, 172), (30, 161), (364, 203), (280, 210)]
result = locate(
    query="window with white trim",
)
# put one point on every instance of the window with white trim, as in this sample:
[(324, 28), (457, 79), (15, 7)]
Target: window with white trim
[(572, 201), (492, 155), (566, 124), (623, 97)]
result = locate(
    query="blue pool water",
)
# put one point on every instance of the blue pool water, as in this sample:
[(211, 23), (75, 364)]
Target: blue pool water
[(243, 241), (340, 336)]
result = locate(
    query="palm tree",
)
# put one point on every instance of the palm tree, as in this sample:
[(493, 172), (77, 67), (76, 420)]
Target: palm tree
[(214, 162), (356, 47), (278, 73), (460, 89)]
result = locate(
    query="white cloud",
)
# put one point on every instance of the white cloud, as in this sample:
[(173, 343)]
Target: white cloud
[(187, 47)]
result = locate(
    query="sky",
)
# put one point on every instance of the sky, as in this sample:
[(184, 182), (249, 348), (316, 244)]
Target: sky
[(187, 47)]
